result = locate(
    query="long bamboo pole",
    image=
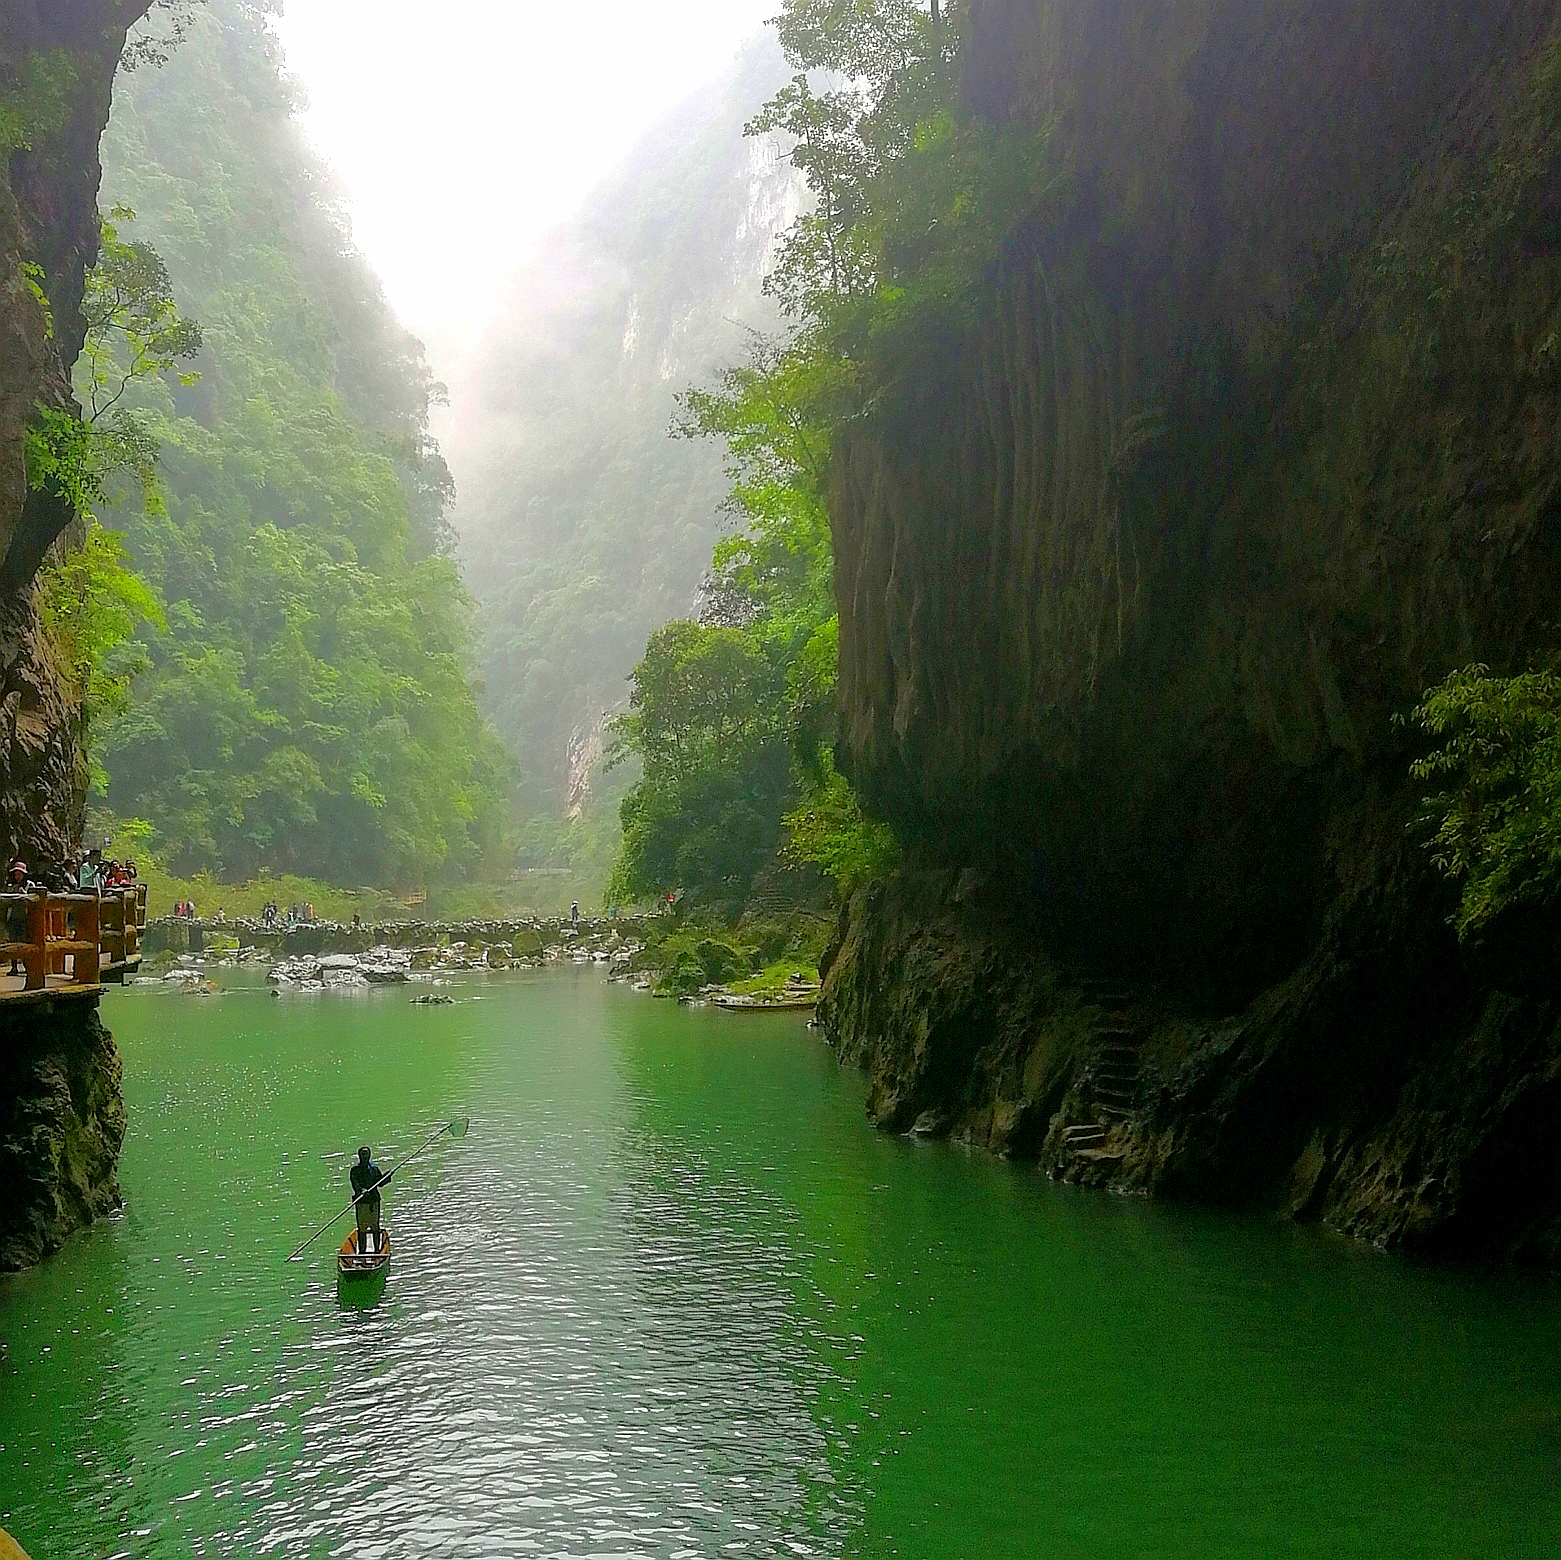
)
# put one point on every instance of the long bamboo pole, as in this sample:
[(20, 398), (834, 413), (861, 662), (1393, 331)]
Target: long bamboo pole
[(456, 1128)]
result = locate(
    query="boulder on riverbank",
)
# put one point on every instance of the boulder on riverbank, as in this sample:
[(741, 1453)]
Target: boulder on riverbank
[(378, 967)]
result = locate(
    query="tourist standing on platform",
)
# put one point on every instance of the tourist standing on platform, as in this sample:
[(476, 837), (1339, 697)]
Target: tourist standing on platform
[(18, 882)]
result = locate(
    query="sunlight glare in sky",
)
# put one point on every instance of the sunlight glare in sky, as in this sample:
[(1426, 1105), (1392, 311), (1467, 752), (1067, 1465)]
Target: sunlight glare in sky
[(462, 131)]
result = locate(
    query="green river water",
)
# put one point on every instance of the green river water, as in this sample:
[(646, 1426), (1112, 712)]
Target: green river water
[(672, 1297)]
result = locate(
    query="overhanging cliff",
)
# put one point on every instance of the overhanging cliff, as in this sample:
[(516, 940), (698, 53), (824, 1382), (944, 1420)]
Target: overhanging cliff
[(1252, 439), (61, 1116)]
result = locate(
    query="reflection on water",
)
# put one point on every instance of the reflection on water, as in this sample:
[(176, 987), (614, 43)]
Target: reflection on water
[(671, 1297)]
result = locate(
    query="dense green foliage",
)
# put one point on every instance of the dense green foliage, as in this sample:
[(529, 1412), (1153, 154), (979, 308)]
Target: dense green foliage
[(910, 205), (760, 957), (92, 602), (731, 717), (705, 815), (33, 101), (134, 335), (1495, 811), (308, 708)]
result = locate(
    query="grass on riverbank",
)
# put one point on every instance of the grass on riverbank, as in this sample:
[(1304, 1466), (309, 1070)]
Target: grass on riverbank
[(460, 902), (778, 981), (529, 895), (757, 957)]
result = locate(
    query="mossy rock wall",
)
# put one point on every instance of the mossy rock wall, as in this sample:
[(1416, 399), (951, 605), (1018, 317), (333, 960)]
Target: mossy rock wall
[(62, 1120), (1251, 439), (1251, 435)]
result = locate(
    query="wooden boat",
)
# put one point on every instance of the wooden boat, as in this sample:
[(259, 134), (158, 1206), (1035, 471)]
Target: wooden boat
[(353, 1267), (802, 1002)]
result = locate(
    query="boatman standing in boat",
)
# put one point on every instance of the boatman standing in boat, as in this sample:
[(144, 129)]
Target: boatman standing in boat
[(367, 1179)]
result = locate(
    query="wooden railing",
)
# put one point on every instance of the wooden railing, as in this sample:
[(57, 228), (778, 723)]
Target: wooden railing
[(82, 939)]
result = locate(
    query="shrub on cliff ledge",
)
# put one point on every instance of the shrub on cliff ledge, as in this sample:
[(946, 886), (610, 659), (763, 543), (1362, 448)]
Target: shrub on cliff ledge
[(1496, 815)]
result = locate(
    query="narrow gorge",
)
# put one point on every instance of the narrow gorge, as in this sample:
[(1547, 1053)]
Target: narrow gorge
[(587, 594), (1142, 561)]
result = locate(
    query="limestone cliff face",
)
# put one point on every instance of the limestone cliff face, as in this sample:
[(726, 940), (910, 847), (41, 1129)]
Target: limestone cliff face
[(1254, 437), (62, 1120), (48, 219), (61, 1116)]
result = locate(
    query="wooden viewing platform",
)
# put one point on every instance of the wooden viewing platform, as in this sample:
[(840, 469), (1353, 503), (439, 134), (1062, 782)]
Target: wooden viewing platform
[(68, 944)]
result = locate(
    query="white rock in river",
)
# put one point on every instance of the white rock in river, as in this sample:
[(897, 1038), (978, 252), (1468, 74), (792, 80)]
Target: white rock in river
[(383, 974)]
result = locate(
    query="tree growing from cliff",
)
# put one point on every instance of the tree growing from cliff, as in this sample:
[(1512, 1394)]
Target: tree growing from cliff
[(167, 25), (728, 716), (134, 328), (92, 602), (134, 334), (911, 203), (1494, 808)]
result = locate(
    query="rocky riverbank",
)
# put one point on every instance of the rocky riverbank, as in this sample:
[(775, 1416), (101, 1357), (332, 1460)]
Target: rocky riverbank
[(408, 953), (1393, 1087), (764, 962), (522, 937)]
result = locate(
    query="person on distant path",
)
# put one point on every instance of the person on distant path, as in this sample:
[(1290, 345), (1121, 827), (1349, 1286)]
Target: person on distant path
[(18, 882), (574, 912), (366, 1182)]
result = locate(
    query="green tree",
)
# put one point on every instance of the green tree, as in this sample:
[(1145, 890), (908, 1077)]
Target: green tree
[(1494, 810), (92, 602), (703, 719), (134, 328), (912, 201)]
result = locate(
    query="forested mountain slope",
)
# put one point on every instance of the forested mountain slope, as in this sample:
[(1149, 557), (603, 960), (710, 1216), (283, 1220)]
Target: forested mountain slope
[(583, 524), (309, 707)]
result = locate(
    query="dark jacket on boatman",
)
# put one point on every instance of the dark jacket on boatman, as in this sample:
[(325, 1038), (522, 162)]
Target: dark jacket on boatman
[(366, 1176)]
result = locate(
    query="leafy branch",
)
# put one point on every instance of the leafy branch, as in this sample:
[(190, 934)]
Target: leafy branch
[(92, 601), (1493, 810), (134, 328), (152, 47)]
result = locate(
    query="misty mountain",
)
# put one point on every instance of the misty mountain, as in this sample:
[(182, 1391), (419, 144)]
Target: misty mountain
[(583, 523)]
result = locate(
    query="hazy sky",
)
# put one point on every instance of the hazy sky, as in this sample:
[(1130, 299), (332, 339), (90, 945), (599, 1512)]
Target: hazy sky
[(464, 130)]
